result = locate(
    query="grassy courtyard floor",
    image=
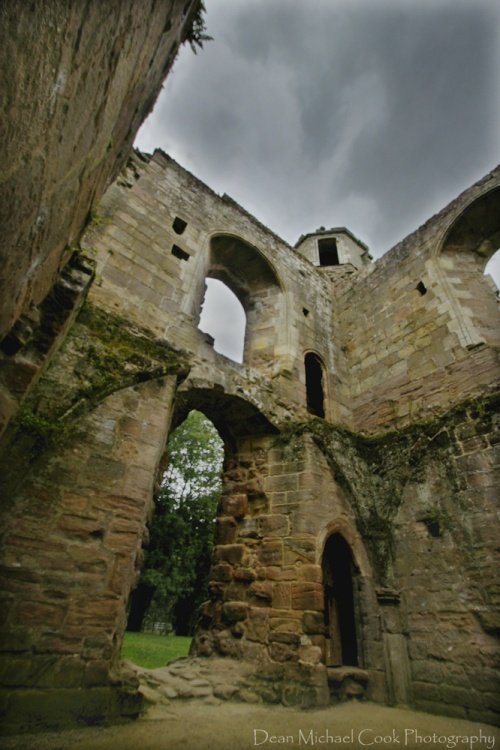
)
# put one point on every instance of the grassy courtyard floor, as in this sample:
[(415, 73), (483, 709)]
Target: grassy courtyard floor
[(153, 651)]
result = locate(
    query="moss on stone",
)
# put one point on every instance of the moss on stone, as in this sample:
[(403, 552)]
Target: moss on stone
[(104, 353), (373, 470)]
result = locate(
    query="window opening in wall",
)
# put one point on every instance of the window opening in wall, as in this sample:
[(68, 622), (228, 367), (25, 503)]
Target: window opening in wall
[(492, 268), (180, 253), (433, 526), (421, 288), (305, 311), (314, 385), (340, 610), (328, 253), (179, 225), (174, 578), (223, 318)]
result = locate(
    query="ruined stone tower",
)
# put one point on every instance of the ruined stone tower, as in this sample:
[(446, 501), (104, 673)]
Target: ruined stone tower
[(356, 532)]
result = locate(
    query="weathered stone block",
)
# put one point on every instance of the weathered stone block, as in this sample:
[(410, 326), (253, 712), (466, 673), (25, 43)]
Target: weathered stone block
[(310, 654), (244, 575), (261, 592), (299, 550), (225, 531), (234, 505), (274, 525), (281, 596), (307, 596), (230, 553), (313, 623), (310, 573), (222, 572), (270, 552), (283, 652), (234, 612)]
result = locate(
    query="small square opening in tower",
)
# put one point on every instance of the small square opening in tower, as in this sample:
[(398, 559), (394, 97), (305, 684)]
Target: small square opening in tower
[(328, 253)]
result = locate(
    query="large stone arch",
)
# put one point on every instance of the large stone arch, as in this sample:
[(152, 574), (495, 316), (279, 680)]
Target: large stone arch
[(460, 257), (255, 282)]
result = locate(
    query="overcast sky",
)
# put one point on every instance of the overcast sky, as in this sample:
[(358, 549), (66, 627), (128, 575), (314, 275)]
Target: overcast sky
[(370, 114)]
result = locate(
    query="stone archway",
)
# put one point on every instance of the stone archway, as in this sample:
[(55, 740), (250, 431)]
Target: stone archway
[(461, 257), (251, 277)]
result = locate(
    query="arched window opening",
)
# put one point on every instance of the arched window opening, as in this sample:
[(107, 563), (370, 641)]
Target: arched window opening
[(252, 278), (315, 392), (223, 317), (469, 247), (174, 577), (340, 606)]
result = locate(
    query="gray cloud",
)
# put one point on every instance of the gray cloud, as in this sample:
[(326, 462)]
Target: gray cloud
[(366, 114)]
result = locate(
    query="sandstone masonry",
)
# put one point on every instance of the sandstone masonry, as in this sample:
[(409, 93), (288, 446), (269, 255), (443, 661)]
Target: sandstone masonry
[(356, 537)]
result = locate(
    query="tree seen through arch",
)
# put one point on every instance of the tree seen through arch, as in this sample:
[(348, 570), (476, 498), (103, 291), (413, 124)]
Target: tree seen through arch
[(173, 582)]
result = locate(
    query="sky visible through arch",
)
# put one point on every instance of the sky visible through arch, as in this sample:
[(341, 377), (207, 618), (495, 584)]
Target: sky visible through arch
[(359, 113)]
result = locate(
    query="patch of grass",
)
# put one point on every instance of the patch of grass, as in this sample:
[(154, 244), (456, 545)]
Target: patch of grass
[(153, 651)]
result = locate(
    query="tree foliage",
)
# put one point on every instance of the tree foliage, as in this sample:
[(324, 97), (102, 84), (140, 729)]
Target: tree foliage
[(197, 35), (177, 560)]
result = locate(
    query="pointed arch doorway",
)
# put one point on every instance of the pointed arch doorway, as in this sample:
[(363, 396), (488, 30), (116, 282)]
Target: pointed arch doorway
[(340, 614)]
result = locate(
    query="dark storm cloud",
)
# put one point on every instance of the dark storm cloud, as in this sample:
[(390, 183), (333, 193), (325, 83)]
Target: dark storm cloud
[(337, 112)]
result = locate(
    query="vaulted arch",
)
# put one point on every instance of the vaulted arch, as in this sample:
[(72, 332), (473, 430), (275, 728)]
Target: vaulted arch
[(470, 241)]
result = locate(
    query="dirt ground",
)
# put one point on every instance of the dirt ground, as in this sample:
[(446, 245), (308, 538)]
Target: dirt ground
[(194, 725)]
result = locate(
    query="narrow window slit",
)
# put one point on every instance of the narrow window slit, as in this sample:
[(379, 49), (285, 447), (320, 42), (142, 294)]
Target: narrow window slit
[(314, 385)]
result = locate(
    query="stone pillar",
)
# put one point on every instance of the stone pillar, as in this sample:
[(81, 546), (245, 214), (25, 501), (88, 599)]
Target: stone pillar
[(266, 595)]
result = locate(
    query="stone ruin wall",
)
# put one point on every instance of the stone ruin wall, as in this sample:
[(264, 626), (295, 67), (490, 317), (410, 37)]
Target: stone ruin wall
[(415, 506), (78, 79)]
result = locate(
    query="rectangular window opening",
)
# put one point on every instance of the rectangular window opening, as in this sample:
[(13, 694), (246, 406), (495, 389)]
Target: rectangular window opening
[(421, 288), (328, 254), (179, 253)]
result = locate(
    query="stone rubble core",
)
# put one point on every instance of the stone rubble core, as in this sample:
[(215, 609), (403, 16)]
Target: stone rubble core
[(356, 537)]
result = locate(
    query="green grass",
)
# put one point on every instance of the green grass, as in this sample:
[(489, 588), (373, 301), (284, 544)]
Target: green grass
[(152, 651)]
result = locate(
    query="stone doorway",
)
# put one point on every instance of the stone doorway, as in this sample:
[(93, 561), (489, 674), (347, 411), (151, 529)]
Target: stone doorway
[(340, 613)]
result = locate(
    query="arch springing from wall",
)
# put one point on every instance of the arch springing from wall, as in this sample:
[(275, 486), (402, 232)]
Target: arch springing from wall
[(223, 317)]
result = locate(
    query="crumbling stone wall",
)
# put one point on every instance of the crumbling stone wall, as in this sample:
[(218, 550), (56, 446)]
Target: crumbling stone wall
[(78, 79), (413, 504)]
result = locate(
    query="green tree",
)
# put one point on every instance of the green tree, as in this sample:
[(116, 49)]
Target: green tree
[(175, 573)]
